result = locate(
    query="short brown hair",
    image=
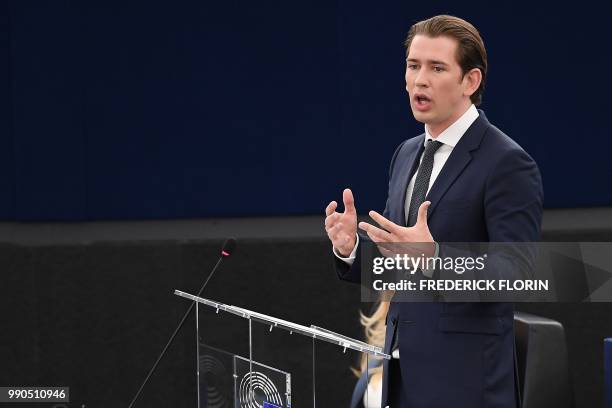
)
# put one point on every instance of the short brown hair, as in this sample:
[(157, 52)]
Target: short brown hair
[(471, 52)]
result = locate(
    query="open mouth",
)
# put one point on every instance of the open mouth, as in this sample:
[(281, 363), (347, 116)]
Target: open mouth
[(422, 101)]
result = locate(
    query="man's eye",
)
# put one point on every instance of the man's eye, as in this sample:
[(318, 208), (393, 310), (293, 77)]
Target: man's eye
[(412, 66), (438, 69)]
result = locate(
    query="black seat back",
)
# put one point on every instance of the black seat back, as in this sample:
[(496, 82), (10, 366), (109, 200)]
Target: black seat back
[(541, 362)]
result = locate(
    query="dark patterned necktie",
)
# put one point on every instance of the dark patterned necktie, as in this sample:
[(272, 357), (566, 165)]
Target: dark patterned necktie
[(421, 184)]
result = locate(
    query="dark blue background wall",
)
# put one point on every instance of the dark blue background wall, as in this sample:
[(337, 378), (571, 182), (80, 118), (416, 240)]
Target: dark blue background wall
[(115, 110)]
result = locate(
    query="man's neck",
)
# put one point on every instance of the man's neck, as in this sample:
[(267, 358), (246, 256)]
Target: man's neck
[(437, 128)]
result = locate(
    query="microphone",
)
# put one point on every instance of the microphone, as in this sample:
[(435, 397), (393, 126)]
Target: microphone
[(228, 248)]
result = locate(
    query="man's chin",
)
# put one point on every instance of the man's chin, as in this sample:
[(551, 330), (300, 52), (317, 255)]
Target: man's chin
[(422, 117)]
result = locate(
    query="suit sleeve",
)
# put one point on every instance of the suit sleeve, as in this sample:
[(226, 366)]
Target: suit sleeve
[(514, 199)]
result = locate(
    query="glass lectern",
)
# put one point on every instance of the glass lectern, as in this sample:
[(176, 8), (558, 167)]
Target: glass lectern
[(244, 362)]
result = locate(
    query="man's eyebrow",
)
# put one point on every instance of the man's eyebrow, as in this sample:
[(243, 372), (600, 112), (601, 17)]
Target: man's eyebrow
[(431, 62)]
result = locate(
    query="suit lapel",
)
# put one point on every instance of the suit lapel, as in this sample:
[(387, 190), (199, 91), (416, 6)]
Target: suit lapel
[(457, 161)]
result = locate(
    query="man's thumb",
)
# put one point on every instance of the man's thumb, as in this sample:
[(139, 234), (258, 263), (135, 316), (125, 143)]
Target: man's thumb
[(422, 215), (349, 201)]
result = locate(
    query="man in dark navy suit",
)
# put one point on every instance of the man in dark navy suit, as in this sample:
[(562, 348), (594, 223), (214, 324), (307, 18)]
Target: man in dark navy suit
[(463, 180)]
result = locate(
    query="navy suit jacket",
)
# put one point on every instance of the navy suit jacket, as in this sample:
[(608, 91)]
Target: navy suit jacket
[(461, 354)]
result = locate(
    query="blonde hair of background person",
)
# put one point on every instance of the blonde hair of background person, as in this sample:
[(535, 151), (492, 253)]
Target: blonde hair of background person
[(374, 327)]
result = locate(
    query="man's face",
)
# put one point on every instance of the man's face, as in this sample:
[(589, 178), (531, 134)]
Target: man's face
[(434, 82)]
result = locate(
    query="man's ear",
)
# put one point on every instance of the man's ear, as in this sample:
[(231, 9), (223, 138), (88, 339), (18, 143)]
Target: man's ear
[(472, 80)]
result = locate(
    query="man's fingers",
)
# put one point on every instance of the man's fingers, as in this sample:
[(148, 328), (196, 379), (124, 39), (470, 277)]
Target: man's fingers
[(331, 220), (377, 234), (383, 222), (422, 214), (331, 207), (349, 201), (375, 237)]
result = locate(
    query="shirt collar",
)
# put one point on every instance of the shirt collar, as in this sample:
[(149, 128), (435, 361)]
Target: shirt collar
[(452, 134)]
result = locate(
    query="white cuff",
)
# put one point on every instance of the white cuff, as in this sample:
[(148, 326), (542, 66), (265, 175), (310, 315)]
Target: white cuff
[(351, 258)]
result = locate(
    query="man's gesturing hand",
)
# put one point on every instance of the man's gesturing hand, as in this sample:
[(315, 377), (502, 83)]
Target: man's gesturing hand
[(342, 227), (413, 239)]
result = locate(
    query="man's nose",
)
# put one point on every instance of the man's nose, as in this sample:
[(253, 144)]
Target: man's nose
[(421, 78)]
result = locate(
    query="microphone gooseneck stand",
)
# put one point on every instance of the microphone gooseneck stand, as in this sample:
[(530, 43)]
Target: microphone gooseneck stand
[(227, 250)]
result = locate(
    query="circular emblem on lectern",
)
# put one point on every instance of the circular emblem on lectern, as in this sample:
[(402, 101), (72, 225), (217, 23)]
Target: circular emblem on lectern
[(214, 382), (255, 389)]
